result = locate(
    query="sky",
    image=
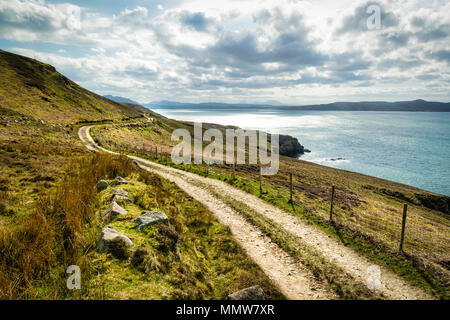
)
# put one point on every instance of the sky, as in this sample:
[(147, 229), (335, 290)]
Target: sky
[(283, 51)]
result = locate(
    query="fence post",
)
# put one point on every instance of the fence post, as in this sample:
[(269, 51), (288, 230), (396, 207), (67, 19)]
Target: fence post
[(234, 171), (290, 188), (331, 204), (260, 181), (402, 237)]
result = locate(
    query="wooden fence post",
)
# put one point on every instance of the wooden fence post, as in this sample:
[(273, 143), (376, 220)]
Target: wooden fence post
[(331, 204), (260, 181), (402, 237), (290, 188), (234, 171)]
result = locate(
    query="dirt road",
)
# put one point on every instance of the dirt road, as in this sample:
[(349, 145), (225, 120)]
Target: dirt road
[(293, 278)]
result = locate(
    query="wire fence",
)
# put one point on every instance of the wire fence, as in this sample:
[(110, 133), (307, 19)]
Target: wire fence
[(423, 236)]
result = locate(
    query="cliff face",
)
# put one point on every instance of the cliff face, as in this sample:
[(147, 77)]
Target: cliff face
[(290, 147)]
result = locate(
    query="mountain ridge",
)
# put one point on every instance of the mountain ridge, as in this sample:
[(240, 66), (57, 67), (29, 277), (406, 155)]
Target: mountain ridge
[(35, 89), (418, 105)]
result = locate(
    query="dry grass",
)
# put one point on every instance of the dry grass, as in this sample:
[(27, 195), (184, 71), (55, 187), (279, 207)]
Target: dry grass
[(52, 236), (367, 210)]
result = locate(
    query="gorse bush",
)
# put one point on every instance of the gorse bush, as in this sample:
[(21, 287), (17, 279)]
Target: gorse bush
[(51, 238)]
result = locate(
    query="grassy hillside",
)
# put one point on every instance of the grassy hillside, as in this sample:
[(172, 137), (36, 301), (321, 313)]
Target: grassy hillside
[(45, 174), (48, 201), (367, 210), (35, 89)]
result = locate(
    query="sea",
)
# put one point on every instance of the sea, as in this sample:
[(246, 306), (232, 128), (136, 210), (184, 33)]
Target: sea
[(407, 147)]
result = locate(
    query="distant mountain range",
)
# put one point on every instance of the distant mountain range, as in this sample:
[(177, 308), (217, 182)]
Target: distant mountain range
[(120, 99), (415, 105), (171, 104)]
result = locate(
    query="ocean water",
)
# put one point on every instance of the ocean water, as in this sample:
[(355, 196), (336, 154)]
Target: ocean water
[(407, 147)]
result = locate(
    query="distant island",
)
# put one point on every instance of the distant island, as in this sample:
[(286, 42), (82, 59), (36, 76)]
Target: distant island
[(413, 106)]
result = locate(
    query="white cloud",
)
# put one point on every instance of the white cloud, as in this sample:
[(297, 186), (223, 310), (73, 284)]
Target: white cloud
[(295, 52)]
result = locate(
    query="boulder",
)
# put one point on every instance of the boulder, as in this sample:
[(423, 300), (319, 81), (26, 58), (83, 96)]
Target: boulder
[(252, 293), (119, 180), (113, 211), (102, 185), (114, 242), (150, 218)]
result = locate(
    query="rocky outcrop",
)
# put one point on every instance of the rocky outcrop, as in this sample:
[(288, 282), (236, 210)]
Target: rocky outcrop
[(114, 242), (290, 147), (113, 211), (252, 293), (151, 218)]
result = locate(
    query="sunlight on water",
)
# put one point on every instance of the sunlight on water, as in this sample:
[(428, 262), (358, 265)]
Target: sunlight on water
[(407, 147)]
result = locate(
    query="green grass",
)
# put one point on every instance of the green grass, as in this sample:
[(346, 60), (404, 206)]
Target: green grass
[(37, 90), (314, 211), (208, 264)]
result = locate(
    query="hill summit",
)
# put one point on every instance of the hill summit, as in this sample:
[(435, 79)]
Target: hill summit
[(35, 89)]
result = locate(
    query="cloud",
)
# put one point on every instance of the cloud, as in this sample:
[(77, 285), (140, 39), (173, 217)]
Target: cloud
[(26, 20), (132, 16), (442, 55), (356, 22), (197, 21), (267, 50)]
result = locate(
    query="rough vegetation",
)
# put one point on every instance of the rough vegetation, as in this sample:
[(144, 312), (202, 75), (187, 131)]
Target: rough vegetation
[(49, 194), (49, 198), (367, 211), (37, 90), (192, 257)]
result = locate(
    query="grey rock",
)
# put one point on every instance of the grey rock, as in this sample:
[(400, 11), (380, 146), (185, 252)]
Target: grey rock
[(119, 198), (252, 293), (151, 218), (119, 192), (113, 211), (119, 180), (102, 185), (112, 241)]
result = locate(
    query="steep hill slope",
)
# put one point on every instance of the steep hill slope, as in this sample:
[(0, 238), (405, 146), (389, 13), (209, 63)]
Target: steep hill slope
[(37, 90), (49, 196)]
